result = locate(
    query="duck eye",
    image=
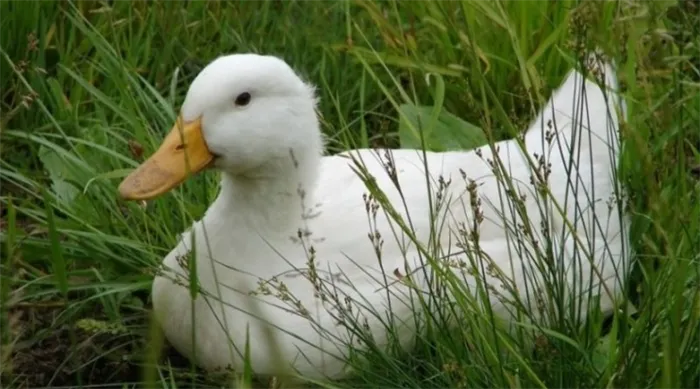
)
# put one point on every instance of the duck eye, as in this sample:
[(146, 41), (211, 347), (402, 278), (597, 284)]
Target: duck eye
[(243, 99)]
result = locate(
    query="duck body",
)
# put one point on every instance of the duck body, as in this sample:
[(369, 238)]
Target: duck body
[(289, 253)]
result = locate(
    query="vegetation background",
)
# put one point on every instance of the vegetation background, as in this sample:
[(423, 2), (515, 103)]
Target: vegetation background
[(88, 89)]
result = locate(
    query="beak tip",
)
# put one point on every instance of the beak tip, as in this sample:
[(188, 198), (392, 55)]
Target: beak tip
[(126, 190), (124, 193)]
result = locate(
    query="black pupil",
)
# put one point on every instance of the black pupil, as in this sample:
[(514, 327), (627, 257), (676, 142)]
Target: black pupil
[(243, 99)]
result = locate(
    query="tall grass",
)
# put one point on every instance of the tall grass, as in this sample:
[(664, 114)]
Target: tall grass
[(89, 87)]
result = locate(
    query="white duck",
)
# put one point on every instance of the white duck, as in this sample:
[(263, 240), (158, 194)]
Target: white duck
[(283, 202)]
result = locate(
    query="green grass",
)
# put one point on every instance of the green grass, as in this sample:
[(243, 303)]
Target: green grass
[(89, 88)]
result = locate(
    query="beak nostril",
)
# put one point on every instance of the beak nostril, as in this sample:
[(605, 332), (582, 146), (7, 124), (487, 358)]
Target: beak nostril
[(180, 147)]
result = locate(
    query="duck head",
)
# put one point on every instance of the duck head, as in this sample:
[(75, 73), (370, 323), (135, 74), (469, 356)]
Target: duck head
[(248, 115)]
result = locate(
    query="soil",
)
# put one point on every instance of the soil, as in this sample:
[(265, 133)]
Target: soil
[(44, 354)]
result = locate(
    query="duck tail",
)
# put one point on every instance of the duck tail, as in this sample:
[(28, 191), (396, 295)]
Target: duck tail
[(584, 111), (605, 72)]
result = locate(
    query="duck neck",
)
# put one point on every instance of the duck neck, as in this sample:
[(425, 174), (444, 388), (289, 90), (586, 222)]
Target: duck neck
[(272, 197)]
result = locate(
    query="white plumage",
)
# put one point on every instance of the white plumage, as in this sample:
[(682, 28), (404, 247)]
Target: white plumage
[(283, 202)]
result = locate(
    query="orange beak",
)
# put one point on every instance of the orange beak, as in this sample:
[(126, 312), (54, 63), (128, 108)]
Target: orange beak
[(182, 154)]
